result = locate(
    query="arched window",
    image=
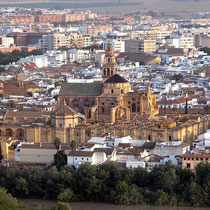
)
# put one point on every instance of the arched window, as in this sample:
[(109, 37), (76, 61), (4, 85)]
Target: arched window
[(112, 91), (75, 103), (108, 71), (87, 103), (9, 132), (20, 133), (133, 107)]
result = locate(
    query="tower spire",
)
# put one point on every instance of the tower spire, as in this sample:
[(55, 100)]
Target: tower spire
[(110, 64)]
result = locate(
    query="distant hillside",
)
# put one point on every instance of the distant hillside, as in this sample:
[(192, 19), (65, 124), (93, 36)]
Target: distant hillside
[(180, 7)]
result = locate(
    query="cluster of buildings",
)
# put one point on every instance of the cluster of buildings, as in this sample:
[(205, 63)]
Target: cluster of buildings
[(131, 90)]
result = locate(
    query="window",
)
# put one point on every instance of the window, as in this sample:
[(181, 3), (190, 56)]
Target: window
[(188, 165), (112, 91), (188, 158), (185, 158), (82, 158), (133, 107), (60, 125), (169, 138), (197, 159), (75, 158), (108, 71), (207, 159), (192, 158), (102, 109), (149, 137), (87, 158), (201, 158), (122, 91)]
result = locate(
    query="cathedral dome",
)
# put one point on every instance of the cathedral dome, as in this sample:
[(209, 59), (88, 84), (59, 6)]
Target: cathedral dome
[(116, 78)]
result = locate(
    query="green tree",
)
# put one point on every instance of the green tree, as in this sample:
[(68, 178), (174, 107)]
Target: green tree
[(73, 145), (57, 143), (7, 202), (65, 196), (195, 195), (60, 159), (62, 206), (128, 195), (21, 187), (162, 198)]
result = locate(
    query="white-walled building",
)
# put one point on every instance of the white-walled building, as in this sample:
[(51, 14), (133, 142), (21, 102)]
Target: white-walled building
[(6, 41), (118, 45), (39, 60), (54, 41), (77, 55)]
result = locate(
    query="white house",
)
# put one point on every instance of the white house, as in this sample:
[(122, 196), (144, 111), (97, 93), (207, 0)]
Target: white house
[(95, 157)]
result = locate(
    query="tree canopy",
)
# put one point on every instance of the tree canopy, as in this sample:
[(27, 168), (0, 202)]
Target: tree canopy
[(163, 185)]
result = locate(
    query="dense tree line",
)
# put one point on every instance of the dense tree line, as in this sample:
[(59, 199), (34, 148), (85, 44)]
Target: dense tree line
[(7, 202), (7, 58), (164, 185)]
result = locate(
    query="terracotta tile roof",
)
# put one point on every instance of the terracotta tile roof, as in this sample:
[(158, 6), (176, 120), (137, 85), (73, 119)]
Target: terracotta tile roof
[(29, 65), (25, 114), (81, 153), (63, 109), (107, 151)]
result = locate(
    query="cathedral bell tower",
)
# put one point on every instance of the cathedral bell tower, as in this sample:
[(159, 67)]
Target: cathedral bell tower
[(110, 64)]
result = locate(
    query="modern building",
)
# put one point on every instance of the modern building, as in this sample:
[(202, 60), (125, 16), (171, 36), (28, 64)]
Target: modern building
[(54, 41)]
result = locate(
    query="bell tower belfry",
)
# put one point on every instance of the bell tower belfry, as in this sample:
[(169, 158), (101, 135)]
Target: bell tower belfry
[(110, 64)]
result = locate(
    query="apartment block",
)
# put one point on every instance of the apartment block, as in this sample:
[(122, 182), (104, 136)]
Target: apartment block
[(25, 38), (6, 41), (49, 18), (140, 45), (19, 18), (73, 17), (99, 29), (54, 41)]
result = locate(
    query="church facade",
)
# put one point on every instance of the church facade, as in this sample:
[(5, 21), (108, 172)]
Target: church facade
[(110, 101)]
